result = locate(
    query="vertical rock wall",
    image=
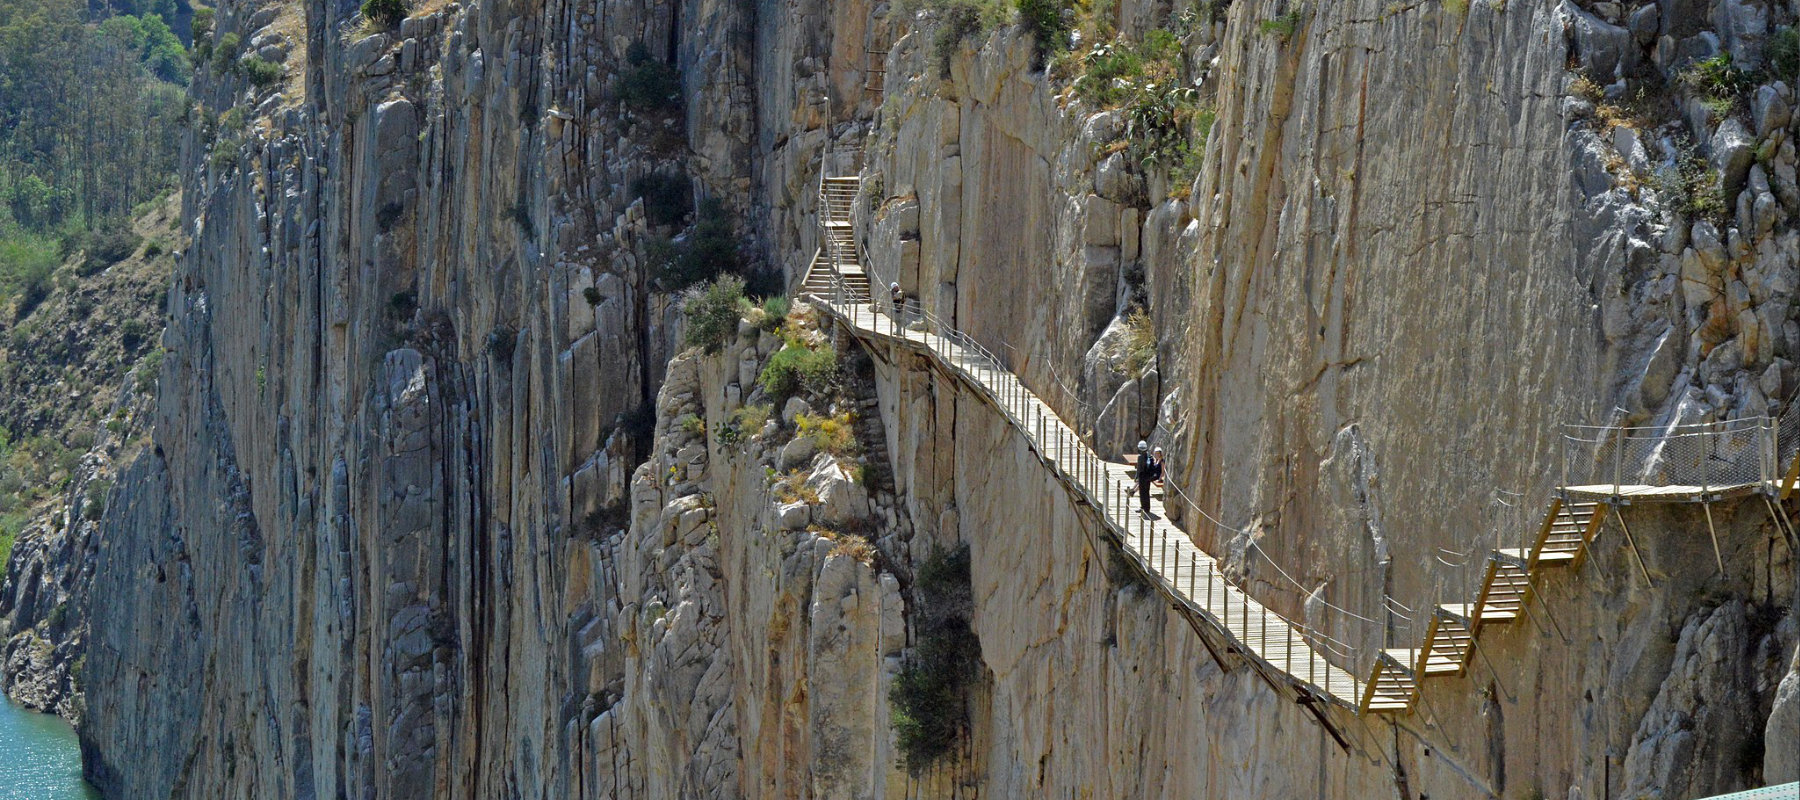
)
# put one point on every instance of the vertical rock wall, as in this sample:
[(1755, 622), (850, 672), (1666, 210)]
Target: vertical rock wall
[(398, 537)]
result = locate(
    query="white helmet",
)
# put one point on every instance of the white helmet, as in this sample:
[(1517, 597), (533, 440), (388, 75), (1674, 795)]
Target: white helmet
[(1159, 451), (1143, 446), (894, 285)]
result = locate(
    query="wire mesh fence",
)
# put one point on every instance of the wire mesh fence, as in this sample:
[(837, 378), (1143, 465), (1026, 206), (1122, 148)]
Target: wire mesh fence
[(1700, 458)]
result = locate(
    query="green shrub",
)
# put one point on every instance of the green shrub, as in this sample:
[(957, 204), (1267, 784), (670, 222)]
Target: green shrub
[(1718, 80), (1107, 70), (108, 245), (833, 435), (648, 84), (224, 153), (1140, 342), (796, 368), (709, 250), (752, 418), (667, 197), (225, 53), (97, 494), (1166, 127), (234, 120), (962, 20), (203, 24), (930, 696), (26, 263), (712, 313), (148, 370), (132, 333), (1690, 186), (262, 74), (775, 311), (1049, 30), (1282, 27), (386, 13)]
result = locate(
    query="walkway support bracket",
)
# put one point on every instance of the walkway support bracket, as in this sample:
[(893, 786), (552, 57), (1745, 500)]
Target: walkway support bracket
[(1629, 542)]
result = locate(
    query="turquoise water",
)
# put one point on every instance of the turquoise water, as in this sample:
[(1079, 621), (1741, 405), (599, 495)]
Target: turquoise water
[(39, 757)]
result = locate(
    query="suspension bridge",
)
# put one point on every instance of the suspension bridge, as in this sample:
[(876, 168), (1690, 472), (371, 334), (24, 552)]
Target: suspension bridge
[(1604, 469)]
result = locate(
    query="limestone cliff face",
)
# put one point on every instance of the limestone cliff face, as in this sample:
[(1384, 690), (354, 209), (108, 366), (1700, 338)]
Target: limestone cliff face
[(398, 534)]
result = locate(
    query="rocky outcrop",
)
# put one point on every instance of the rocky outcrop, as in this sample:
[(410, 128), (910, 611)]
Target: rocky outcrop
[(79, 374), (746, 631)]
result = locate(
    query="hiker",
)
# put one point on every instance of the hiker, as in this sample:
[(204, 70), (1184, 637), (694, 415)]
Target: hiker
[(1149, 470), (898, 297)]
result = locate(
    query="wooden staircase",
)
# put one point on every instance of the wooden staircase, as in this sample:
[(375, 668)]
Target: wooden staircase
[(1394, 684), (1506, 585)]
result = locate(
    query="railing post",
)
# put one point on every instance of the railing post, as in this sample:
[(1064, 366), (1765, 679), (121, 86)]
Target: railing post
[(1565, 462), (1212, 582), (1312, 665), (1290, 648), (1618, 457), (1175, 572), (1706, 444), (1162, 547), (1244, 612)]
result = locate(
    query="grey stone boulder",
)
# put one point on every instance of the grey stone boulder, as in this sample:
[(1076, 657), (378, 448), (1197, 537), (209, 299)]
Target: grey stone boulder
[(1115, 181), (797, 453), (1733, 150), (1743, 25), (841, 499), (1605, 50), (1769, 110), (793, 516), (1645, 23), (794, 408)]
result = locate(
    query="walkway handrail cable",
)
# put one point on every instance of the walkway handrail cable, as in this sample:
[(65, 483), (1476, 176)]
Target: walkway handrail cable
[(1690, 462), (1164, 560)]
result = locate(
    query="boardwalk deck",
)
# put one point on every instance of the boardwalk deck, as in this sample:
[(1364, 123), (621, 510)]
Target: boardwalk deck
[(1666, 494), (1290, 655), (1188, 575)]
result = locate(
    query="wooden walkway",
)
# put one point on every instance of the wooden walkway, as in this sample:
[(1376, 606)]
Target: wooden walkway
[(1182, 571), (1292, 657)]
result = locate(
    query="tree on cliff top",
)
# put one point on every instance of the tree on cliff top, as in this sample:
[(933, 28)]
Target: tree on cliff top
[(89, 127)]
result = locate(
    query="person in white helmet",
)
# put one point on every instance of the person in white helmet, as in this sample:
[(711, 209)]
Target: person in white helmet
[(1149, 471), (898, 297)]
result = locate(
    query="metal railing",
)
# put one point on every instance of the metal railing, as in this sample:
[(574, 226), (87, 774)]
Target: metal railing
[(1702, 459), (1164, 553), (1708, 457)]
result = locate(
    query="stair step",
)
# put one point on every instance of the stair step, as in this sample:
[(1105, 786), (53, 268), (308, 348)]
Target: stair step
[(1464, 610), (1545, 556)]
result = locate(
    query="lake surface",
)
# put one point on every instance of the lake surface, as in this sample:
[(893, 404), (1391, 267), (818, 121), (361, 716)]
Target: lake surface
[(39, 757)]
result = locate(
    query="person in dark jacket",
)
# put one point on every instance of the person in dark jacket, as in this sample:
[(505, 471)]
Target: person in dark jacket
[(1150, 470)]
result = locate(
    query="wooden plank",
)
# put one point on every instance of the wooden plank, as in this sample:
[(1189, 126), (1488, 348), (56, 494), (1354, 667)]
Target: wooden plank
[(1556, 507)]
